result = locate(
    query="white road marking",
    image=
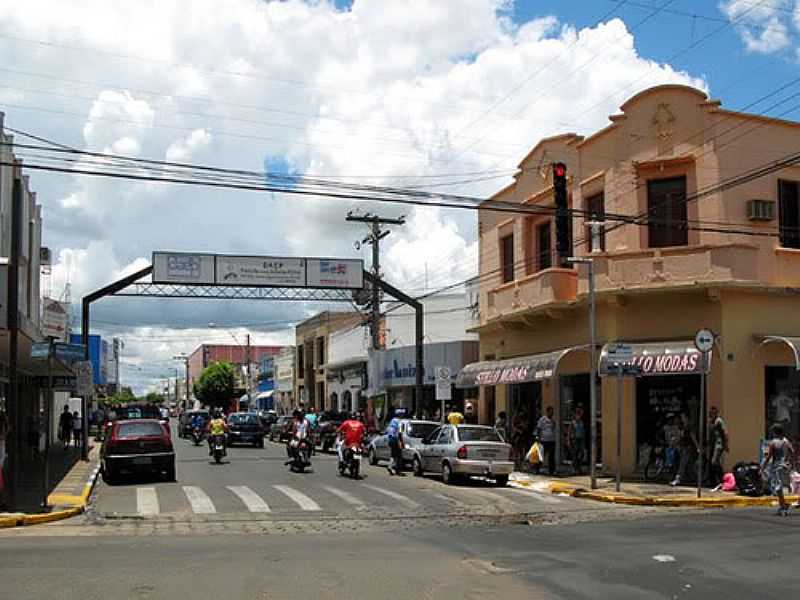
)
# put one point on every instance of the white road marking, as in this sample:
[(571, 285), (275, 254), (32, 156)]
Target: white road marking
[(252, 501), (664, 558), (300, 498), (544, 498), (201, 503), (346, 496), (147, 501), (492, 497), (399, 497)]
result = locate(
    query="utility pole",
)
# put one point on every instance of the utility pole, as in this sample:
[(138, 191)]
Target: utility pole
[(14, 405), (374, 239), (185, 359), (249, 377)]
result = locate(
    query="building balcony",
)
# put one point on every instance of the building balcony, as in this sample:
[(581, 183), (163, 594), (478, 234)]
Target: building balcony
[(539, 289), (787, 267), (655, 268)]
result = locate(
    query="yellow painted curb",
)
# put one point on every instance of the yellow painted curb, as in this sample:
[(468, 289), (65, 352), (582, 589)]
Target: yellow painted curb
[(65, 500), (666, 501)]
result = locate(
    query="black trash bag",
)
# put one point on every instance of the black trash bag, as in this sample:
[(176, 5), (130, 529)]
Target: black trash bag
[(749, 480)]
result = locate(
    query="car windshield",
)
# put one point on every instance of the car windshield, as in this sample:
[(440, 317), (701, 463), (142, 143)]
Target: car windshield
[(141, 429), (243, 420), (137, 412), (478, 434), (421, 430)]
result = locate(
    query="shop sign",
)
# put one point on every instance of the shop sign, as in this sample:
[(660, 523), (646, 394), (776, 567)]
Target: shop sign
[(261, 271), (661, 364), (499, 376)]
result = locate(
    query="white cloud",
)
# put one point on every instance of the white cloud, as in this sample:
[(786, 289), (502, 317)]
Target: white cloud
[(183, 150), (385, 90), (763, 26)]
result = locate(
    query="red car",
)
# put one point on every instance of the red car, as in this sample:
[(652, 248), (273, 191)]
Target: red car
[(140, 445)]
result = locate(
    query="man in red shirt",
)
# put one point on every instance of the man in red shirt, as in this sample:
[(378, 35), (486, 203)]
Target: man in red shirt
[(351, 435)]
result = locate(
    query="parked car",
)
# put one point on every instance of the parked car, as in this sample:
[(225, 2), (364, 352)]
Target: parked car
[(327, 424), (458, 451), (141, 445), (280, 430), (185, 421), (268, 417), (413, 432), (128, 412), (245, 428)]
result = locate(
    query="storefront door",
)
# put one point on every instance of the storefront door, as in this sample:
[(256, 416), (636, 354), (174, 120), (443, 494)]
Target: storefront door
[(783, 401), (574, 400), (525, 408), (657, 398)]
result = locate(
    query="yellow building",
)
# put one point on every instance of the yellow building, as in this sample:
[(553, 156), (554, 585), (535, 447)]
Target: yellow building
[(715, 244), (312, 339)]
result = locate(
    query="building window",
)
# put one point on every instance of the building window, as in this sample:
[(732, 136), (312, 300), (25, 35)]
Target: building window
[(507, 258), (789, 214), (596, 207), (301, 367), (666, 210), (320, 351), (544, 245)]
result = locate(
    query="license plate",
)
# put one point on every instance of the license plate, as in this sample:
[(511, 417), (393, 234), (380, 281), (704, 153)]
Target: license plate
[(488, 454), (357, 458), (142, 460)]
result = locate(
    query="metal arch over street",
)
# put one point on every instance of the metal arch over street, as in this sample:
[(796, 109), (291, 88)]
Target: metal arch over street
[(130, 286)]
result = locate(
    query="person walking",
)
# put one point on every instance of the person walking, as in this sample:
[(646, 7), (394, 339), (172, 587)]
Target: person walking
[(546, 431), (777, 463), (77, 429), (717, 446), (65, 426), (578, 435), (394, 439), (687, 449), (501, 424)]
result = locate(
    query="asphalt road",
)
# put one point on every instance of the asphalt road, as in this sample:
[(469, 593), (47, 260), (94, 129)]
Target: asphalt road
[(721, 554), (255, 483)]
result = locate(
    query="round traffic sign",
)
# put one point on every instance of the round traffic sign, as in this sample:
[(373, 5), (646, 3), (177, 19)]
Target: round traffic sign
[(704, 340)]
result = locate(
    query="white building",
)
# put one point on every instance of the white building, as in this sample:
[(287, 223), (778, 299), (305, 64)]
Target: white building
[(346, 370), (284, 380)]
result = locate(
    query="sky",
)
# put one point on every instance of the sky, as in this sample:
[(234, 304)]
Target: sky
[(446, 94)]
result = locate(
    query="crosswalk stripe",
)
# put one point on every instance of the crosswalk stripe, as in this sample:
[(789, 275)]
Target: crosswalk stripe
[(494, 497), (201, 503), (346, 496), (147, 501), (252, 501), (544, 498), (399, 497), (300, 498)]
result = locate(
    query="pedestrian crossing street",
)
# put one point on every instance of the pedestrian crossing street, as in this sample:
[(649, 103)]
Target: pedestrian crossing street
[(151, 501)]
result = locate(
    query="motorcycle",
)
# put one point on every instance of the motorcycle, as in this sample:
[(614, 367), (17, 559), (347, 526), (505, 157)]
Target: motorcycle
[(299, 452), (197, 436), (218, 448), (351, 461)]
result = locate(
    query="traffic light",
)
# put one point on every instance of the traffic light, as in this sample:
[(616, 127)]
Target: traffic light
[(563, 242)]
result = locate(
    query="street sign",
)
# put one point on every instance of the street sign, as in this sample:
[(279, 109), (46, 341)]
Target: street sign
[(83, 370), (40, 350), (69, 353), (443, 383), (704, 340), (619, 353)]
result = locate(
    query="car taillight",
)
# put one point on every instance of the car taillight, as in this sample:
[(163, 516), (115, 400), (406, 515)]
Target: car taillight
[(462, 452)]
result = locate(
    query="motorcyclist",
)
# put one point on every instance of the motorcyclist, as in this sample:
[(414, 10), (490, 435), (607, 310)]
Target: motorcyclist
[(350, 435), (301, 429), (197, 422), (216, 427)]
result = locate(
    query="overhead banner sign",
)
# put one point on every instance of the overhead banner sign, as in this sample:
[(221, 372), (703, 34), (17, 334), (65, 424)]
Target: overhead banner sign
[(257, 271), (261, 271), (181, 267)]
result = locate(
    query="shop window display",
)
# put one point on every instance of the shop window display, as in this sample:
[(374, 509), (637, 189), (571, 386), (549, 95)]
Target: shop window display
[(783, 400)]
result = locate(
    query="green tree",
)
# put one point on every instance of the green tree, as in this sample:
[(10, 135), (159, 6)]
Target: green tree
[(123, 396), (154, 398), (215, 385)]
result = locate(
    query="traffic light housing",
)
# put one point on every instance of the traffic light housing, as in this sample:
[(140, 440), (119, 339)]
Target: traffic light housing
[(563, 241)]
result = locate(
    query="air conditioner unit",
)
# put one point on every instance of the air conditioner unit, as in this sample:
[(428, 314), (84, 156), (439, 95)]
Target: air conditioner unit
[(761, 210)]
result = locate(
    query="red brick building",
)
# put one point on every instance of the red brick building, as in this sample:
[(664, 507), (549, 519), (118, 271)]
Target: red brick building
[(205, 354)]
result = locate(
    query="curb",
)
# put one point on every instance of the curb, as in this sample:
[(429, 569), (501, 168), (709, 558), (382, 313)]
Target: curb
[(75, 506), (667, 501)]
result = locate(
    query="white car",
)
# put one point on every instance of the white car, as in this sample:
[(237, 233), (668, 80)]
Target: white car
[(413, 432), (458, 451)]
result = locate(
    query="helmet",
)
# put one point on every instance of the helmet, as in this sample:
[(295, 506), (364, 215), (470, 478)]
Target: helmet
[(218, 413), (297, 413), (354, 416)]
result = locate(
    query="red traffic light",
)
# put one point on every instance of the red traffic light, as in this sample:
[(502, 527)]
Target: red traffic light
[(560, 170)]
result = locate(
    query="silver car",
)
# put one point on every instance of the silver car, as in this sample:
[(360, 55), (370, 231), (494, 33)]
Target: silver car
[(458, 451), (413, 432)]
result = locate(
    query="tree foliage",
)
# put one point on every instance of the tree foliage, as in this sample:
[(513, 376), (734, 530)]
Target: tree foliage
[(215, 385), (123, 396), (154, 398)]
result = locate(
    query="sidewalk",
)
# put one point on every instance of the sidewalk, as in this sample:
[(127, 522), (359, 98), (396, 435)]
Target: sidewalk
[(639, 493), (71, 482)]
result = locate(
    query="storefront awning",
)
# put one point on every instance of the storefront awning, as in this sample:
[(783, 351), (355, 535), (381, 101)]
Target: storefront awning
[(534, 367), (265, 395), (659, 358), (792, 342)]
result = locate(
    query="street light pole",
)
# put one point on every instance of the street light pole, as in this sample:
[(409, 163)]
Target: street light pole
[(185, 360), (592, 367)]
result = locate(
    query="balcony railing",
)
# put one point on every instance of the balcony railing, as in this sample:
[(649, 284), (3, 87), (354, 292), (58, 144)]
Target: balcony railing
[(542, 288)]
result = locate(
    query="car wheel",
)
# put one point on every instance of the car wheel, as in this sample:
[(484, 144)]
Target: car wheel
[(417, 465), (447, 474), (373, 457), (501, 480), (170, 472), (109, 475)]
